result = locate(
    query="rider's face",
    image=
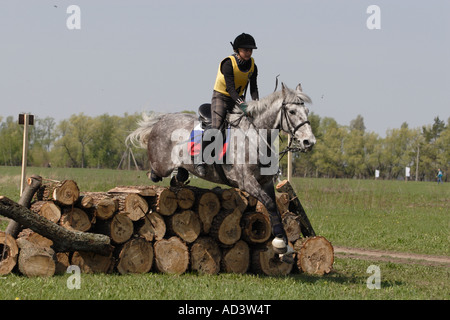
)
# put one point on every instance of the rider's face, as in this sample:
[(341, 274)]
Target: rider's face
[(245, 54)]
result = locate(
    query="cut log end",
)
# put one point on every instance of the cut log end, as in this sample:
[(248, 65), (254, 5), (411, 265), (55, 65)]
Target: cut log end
[(316, 255)]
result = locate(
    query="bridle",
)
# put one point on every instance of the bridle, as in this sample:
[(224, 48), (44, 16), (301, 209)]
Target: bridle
[(290, 127)]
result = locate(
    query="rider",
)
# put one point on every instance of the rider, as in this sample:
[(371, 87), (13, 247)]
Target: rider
[(233, 76)]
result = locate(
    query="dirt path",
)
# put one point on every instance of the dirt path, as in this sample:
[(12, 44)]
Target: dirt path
[(390, 256)]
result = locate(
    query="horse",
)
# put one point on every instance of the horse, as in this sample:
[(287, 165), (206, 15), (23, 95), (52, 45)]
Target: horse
[(166, 136)]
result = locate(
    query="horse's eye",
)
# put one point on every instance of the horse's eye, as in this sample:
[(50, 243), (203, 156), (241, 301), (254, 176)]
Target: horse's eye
[(292, 112)]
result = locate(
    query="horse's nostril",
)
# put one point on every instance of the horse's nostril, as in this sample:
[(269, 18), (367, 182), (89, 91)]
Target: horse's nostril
[(306, 143)]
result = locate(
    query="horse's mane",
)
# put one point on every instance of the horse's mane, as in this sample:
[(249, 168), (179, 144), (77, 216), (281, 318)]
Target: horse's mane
[(257, 107)]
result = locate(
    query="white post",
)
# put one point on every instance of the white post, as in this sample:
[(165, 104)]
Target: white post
[(24, 152)]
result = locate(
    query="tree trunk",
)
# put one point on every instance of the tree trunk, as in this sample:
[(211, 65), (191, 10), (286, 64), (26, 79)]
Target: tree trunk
[(266, 261), (32, 186), (315, 255), (186, 225), (34, 260), (119, 228), (255, 227), (205, 256), (75, 219), (226, 227), (152, 227), (136, 256), (296, 207), (171, 256), (8, 253), (236, 259), (66, 192), (91, 262), (63, 239)]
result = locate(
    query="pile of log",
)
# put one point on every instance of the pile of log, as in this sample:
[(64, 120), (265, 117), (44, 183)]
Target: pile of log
[(137, 229)]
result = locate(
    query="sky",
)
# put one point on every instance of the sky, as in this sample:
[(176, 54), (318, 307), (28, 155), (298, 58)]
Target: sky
[(163, 55)]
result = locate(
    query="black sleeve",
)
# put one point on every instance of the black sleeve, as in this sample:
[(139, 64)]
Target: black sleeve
[(227, 70), (254, 85)]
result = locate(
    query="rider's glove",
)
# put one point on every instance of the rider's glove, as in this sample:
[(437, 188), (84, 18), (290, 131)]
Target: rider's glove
[(243, 106)]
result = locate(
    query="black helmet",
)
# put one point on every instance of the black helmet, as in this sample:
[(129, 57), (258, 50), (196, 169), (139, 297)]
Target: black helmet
[(244, 40)]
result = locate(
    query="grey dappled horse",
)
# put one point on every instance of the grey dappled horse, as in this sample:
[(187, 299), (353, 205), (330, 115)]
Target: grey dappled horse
[(166, 136)]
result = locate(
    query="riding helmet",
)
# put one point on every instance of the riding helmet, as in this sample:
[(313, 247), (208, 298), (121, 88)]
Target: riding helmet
[(245, 41)]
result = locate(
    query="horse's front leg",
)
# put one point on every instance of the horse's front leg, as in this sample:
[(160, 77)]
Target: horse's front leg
[(266, 194)]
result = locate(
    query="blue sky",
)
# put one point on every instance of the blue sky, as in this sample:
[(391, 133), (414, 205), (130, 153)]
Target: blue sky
[(134, 56)]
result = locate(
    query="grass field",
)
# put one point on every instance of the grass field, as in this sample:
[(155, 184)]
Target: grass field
[(385, 215)]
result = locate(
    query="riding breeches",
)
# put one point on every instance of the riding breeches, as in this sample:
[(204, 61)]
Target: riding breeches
[(220, 106)]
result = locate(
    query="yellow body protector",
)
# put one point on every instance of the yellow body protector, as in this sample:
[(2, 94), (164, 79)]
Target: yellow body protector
[(241, 79)]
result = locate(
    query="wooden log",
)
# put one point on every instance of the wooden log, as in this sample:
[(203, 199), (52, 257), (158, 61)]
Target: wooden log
[(119, 228), (62, 262), (296, 207), (75, 219), (47, 209), (185, 224), (282, 200), (226, 227), (231, 198), (185, 198), (32, 186), (35, 238), (152, 227), (236, 259), (208, 207), (63, 239), (135, 256), (91, 262), (136, 207), (266, 261), (166, 201), (171, 256), (66, 192), (105, 208), (34, 260), (205, 256), (315, 256), (8, 253), (255, 227), (145, 191), (292, 226)]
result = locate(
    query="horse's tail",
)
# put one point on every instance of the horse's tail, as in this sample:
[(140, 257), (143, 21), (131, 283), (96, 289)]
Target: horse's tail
[(139, 137)]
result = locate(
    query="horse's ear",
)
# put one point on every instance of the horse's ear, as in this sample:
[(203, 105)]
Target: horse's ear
[(284, 89), (299, 88)]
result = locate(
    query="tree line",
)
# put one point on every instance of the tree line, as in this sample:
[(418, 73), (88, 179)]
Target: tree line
[(340, 152)]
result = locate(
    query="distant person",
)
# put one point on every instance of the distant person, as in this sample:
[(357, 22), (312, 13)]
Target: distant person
[(439, 176)]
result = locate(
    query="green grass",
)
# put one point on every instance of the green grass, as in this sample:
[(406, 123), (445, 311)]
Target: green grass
[(386, 215)]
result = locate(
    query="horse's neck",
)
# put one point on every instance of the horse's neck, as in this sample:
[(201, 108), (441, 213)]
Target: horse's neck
[(268, 118)]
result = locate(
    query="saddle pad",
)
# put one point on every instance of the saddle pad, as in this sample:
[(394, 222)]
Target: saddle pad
[(195, 141)]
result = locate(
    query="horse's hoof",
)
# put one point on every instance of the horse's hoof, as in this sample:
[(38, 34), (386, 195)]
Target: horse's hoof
[(279, 245), (200, 169)]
